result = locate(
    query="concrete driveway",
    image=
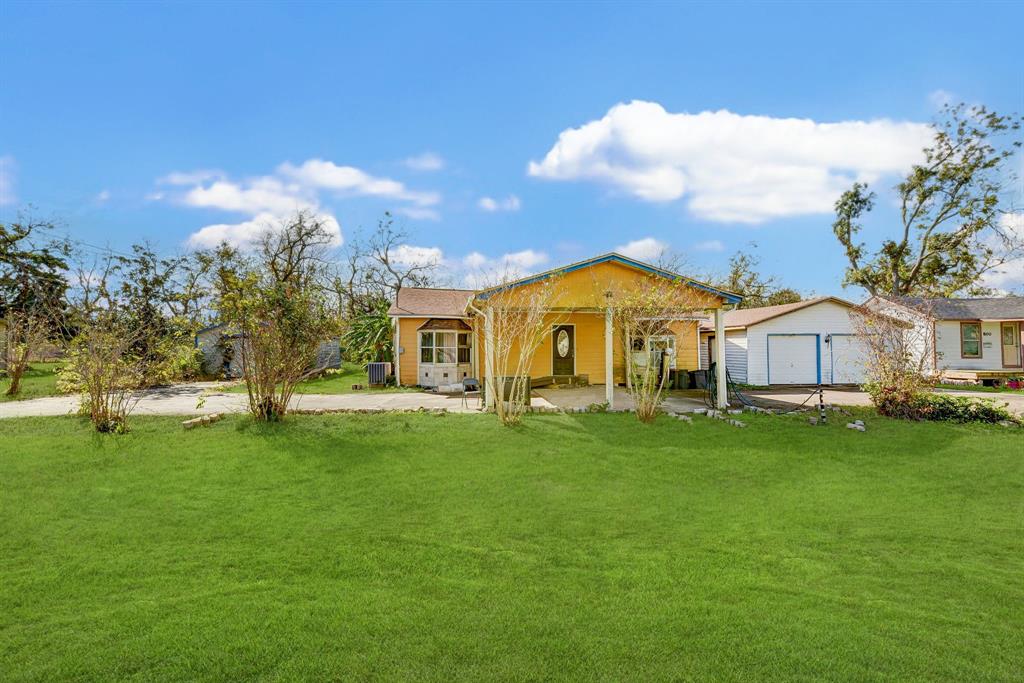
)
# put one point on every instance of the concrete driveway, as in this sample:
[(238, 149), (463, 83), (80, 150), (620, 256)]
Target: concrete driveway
[(184, 399), (856, 397)]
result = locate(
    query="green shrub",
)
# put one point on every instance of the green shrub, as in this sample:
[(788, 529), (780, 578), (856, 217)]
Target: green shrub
[(909, 403), (963, 409)]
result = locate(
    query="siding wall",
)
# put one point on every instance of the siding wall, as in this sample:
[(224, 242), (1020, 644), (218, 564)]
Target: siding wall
[(589, 348), (947, 347), (824, 318), (328, 354), (921, 340), (735, 354)]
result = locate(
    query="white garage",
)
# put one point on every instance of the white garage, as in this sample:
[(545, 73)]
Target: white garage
[(805, 343)]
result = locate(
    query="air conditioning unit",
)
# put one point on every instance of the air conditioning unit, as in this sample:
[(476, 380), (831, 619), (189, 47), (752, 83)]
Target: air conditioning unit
[(378, 372)]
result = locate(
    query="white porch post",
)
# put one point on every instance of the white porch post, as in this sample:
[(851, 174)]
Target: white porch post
[(609, 375), (489, 359), (722, 393), (397, 349)]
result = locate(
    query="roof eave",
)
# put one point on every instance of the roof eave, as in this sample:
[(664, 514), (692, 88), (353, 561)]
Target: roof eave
[(727, 297)]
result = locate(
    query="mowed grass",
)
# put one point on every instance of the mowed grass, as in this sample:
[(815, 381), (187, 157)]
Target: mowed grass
[(335, 383), (38, 381), (450, 548)]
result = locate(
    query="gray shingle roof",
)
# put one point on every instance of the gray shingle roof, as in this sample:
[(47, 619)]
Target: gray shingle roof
[(991, 308)]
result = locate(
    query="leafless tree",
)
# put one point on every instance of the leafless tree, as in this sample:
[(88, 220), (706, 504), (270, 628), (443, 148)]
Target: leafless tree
[(899, 353), (642, 312), (517, 320)]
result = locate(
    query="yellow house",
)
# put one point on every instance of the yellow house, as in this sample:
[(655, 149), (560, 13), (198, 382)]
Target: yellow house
[(444, 336)]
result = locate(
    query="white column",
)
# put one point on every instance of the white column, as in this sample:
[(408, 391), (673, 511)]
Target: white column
[(609, 375), (489, 359), (397, 348), (722, 397)]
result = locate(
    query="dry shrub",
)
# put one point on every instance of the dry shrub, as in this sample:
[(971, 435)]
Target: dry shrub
[(519, 320), (643, 312)]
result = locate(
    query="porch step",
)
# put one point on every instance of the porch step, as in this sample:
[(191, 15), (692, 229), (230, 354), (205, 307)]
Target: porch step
[(561, 381)]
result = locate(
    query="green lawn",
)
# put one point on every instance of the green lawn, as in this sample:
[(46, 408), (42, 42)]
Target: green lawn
[(40, 380), (336, 383), (448, 547)]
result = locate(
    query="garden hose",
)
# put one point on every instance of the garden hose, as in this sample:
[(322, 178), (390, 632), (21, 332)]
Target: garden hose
[(735, 395)]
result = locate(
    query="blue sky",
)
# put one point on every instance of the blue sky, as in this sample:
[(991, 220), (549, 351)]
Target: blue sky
[(157, 121)]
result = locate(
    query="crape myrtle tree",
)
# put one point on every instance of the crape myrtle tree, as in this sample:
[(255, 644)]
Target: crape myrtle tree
[(275, 301), (105, 343), (641, 313), (515, 321), (32, 288), (950, 230), (897, 357)]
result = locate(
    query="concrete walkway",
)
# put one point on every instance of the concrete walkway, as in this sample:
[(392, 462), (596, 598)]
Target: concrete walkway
[(582, 397), (184, 399)]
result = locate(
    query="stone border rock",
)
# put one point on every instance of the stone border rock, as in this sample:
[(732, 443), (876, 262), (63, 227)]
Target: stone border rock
[(202, 420)]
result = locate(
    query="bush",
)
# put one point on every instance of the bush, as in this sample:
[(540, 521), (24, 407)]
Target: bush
[(963, 409), (908, 403)]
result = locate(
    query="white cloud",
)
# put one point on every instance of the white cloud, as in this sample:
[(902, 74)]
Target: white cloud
[(482, 271), (269, 198), (419, 213), (245, 234), (407, 254), (317, 173), (103, 196), (940, 98), (709, 245), (191, 177), (509, 203), (428, 161), (645, 249), (258, 195), (730, 167), (1010, 275), (8, 171)]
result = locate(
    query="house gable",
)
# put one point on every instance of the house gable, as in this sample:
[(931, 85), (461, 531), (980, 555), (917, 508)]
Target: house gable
[(583, 285)]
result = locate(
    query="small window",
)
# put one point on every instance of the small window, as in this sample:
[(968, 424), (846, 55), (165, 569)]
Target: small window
[(426, 347), (445, 345), (464, 346), (970, 340)]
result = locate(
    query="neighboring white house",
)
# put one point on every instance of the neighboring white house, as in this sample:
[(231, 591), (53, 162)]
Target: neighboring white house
[(964, 339), (808, 342)]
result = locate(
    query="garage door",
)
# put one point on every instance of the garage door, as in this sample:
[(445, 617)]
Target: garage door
[(793, 359), (848, 359)]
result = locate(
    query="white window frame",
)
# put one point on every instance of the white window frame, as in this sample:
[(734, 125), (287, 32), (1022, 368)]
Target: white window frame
[(643, 356), (454, 347)]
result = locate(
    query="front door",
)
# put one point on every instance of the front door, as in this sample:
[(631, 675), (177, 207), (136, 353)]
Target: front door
[(563, 350), (1011, 345)]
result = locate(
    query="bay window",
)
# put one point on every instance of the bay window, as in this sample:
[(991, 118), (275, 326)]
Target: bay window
[(444, 347)]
